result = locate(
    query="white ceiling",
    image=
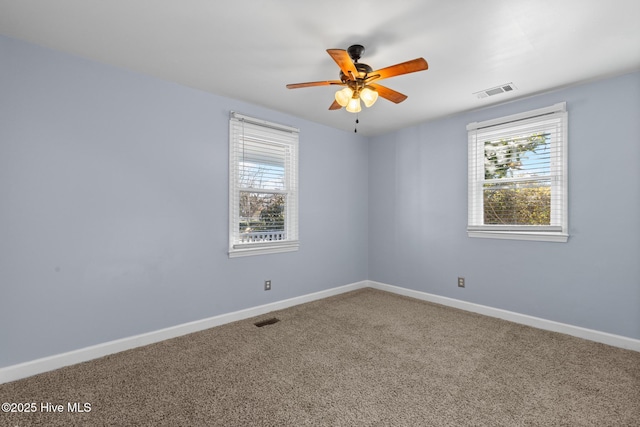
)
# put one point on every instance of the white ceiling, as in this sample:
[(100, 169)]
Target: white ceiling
[(251, 49)]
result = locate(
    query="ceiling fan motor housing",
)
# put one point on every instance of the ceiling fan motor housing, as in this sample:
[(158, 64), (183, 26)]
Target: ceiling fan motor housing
[(363, 70)]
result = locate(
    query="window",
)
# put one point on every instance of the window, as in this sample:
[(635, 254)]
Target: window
[(518, 176), (263, 181)]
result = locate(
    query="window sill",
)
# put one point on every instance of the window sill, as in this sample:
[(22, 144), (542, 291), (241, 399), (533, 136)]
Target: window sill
[(250, 250), (521, 235)]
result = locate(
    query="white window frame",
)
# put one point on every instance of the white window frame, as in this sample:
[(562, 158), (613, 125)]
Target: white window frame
[(553, 116), (285, 136)]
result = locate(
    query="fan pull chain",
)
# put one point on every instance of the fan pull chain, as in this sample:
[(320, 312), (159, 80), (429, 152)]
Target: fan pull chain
[(356, 127)]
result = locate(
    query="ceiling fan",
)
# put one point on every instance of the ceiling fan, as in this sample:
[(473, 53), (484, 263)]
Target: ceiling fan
[(358, 79)]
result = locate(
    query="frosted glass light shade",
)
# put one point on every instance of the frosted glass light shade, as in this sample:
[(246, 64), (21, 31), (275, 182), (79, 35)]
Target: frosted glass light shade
[(369, 96), (343, 96), (354, 105)]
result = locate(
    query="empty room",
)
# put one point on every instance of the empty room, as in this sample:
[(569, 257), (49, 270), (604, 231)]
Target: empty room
[(335, 213)]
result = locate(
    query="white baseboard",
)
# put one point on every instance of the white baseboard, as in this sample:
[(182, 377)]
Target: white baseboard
[(536, 322), (45, 364), (27, 369)]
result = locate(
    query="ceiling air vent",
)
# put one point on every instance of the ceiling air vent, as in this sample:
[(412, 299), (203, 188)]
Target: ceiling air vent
[(507, 87)]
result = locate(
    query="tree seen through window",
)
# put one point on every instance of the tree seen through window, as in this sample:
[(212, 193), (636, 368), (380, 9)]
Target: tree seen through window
[(517, 188)]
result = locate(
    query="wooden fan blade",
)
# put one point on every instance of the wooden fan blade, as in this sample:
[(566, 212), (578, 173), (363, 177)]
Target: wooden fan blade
[(344, 61), (389, 94), (418, 64), (310, 84), (335, 106)]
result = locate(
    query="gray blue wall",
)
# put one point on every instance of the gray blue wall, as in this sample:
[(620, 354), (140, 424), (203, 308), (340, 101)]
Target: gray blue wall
[(114, 217), (418, 215), (114, 206)]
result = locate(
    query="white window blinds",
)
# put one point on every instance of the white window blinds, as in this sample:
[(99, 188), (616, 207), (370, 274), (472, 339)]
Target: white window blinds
[(263, 194), (518, 176)]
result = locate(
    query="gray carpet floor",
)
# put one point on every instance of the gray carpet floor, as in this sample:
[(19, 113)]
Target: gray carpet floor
[(364, 358)]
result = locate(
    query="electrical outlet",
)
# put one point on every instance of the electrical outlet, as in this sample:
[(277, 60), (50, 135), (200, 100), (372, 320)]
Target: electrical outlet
[(461, 282), (267, 285)]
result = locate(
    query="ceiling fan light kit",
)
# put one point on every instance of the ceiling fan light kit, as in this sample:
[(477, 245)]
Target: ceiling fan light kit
[(350, 98), (358, 79)]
